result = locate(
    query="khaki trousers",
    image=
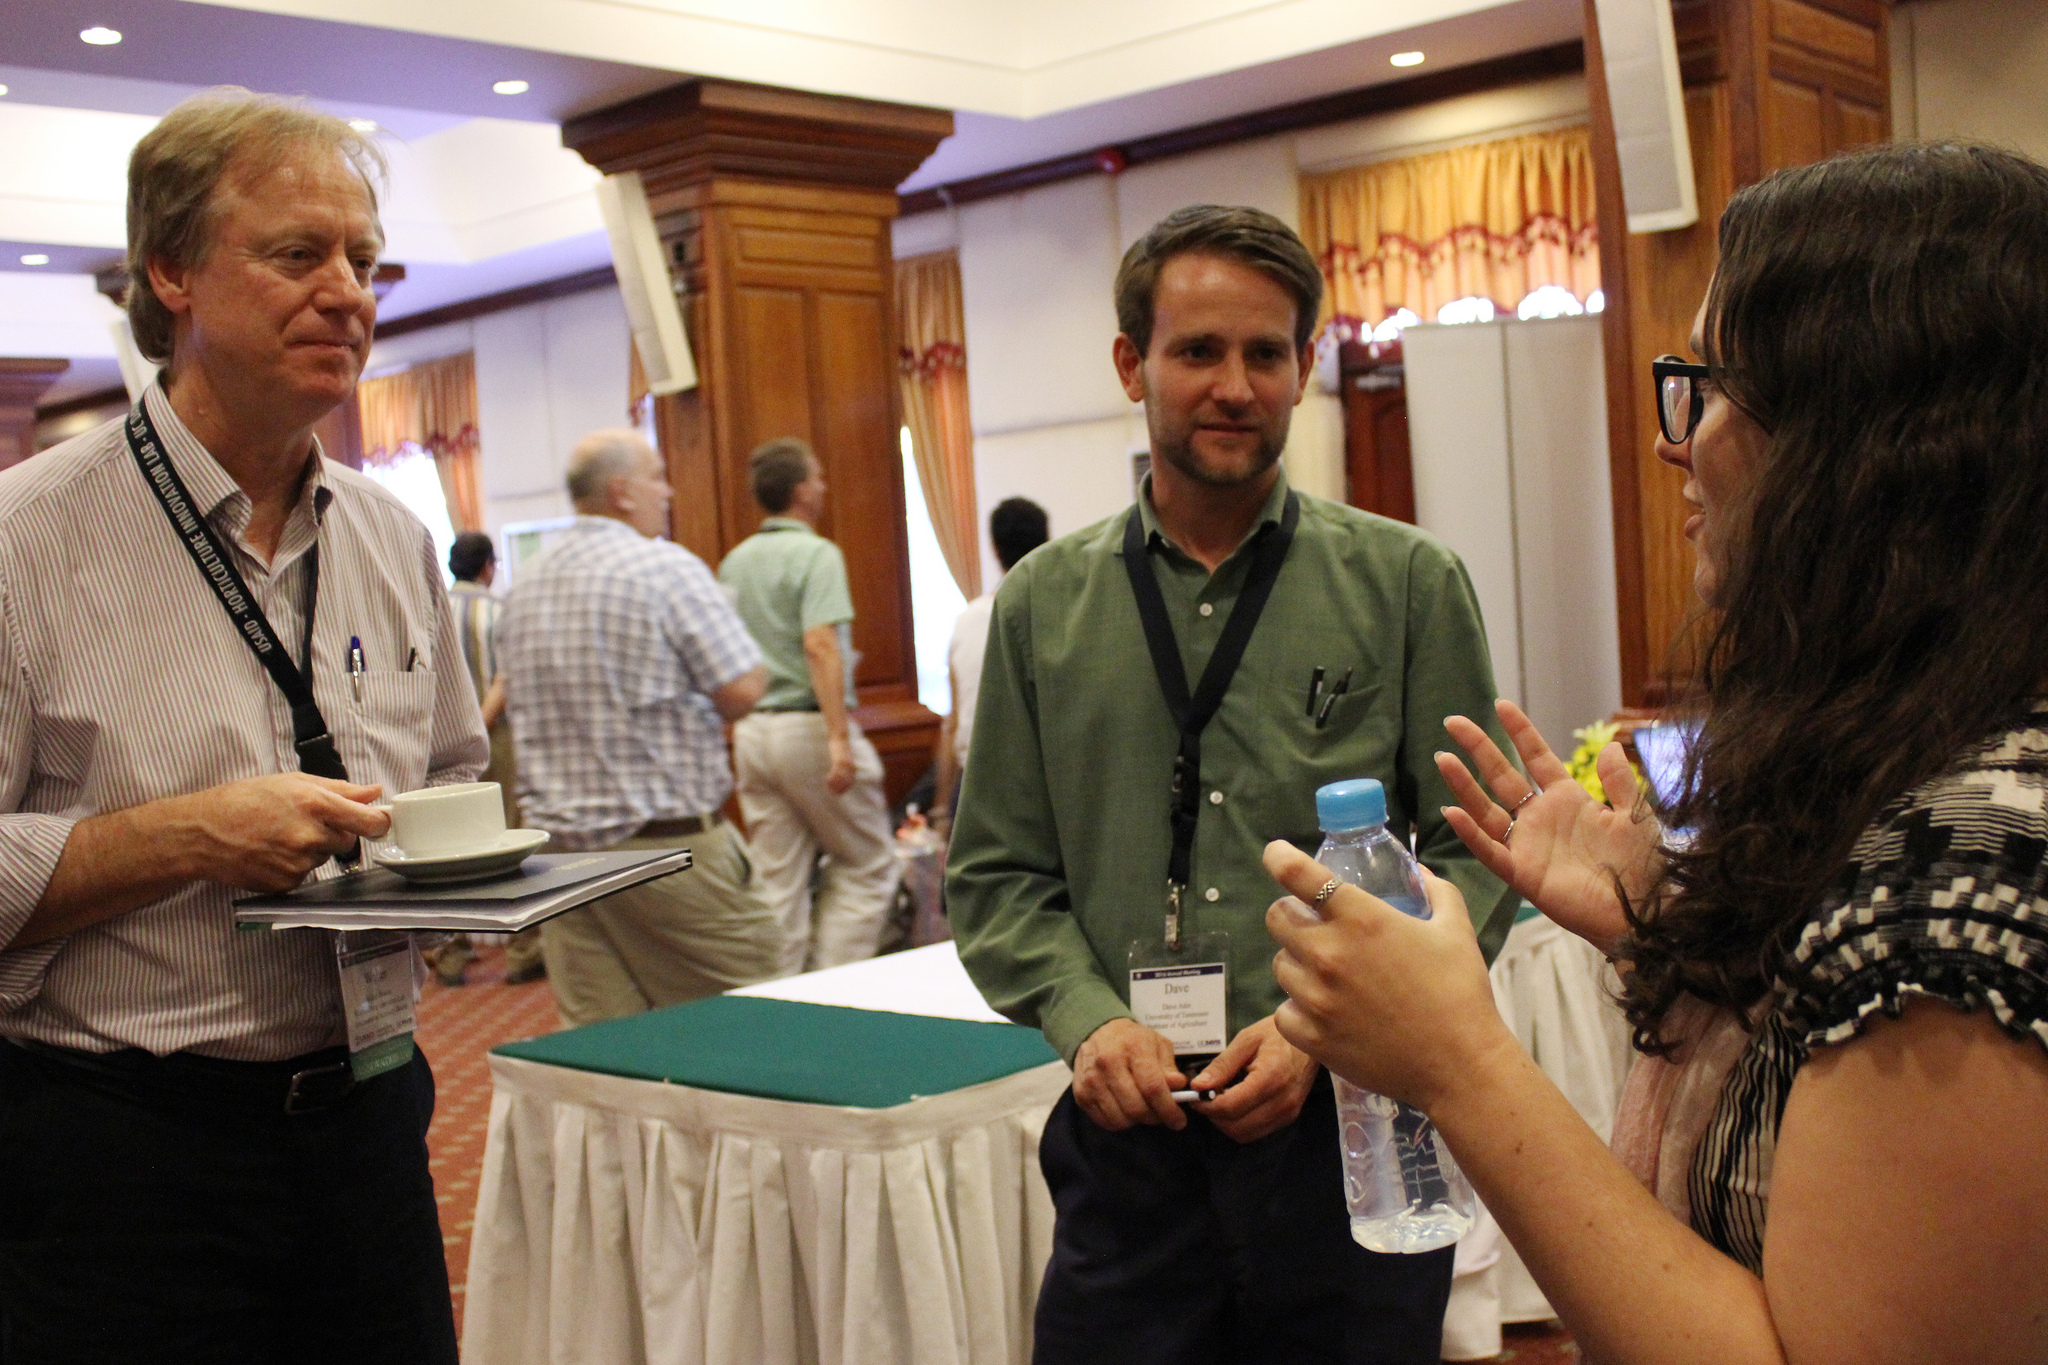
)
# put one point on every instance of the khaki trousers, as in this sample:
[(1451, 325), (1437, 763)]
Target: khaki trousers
[(523, 949), (680, 937), (781, 761)]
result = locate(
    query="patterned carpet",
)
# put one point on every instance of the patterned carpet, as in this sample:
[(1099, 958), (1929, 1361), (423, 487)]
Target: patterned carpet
[(1537, 1343), (458, 1026)]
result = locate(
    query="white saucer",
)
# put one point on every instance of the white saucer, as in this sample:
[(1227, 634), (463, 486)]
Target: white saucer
[(502, 854)]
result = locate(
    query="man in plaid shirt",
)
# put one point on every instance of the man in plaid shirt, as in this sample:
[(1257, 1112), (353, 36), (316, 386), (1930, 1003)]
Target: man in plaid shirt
[(624, 660)]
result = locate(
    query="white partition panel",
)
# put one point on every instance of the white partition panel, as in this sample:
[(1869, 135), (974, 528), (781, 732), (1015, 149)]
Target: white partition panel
[(1507, 422), (1458, 434), (1564, 523)]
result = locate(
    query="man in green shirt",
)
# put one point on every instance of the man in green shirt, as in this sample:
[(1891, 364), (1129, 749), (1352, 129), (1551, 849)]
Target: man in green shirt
[(809, 780), (1215, 1229)]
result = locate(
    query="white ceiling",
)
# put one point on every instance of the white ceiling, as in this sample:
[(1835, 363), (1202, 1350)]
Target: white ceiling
[(1022, 60), (484, 198)]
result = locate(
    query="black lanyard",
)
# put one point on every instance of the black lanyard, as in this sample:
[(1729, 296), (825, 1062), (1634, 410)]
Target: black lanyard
[(317, 754), (1192, 714)]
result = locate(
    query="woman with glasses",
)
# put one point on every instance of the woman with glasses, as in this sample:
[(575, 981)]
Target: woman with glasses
[(1835, 1147)]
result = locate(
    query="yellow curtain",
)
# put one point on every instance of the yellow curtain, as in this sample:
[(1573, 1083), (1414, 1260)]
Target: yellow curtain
[(430, 407), (1497, 219), (931, 335)]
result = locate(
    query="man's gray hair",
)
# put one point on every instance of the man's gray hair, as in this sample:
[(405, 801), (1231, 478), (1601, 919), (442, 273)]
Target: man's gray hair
[(175, 173), (599, 458)]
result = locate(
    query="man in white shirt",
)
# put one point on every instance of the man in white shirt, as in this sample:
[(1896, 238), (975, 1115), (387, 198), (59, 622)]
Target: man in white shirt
[(1016, 528), (219, 650)]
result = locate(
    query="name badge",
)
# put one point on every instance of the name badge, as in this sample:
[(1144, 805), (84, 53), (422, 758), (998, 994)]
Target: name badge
[(1188, 1004), (377, 997)]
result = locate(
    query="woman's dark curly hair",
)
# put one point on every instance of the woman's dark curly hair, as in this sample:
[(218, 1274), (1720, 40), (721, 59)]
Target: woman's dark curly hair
[(1883, 316)]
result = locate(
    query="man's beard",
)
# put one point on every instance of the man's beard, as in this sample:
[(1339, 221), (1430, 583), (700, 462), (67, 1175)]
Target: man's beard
[(1181, 455)]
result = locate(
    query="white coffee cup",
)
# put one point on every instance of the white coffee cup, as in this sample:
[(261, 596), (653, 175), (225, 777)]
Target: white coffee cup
[(433, 822)]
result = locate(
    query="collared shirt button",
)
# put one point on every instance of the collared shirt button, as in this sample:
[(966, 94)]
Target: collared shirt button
[(1211, 894), (1207, 608), (1215, 798)]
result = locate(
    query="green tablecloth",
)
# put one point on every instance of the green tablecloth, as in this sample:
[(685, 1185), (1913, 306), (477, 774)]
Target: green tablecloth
[(787, 1050)]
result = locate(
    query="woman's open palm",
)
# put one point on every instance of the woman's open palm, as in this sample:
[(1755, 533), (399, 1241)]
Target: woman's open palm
[(1544, 835)]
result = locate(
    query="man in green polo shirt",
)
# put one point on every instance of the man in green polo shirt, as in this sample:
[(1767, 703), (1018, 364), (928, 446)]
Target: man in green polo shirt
[(1210, 1230), (809, 781)]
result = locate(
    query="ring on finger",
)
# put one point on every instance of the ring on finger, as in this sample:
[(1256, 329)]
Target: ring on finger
[(1516, 811), (1329, 889)]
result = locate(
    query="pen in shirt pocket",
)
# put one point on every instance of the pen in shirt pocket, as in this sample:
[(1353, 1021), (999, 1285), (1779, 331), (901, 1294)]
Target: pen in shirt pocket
[(355, 665)]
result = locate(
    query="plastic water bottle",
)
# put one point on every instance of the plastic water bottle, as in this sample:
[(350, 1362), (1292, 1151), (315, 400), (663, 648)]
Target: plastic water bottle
[(1404, 1188)]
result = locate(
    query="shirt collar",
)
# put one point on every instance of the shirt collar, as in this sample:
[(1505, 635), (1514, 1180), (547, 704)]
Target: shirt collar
[(589, 525), (211, 486), (1271, 514), (783, 524)]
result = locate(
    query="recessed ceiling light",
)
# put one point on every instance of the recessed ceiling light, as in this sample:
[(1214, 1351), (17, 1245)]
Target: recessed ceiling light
[(510, 87), (363, 125), (100, 36), (1406, 59), (3, 89), (35, 258)]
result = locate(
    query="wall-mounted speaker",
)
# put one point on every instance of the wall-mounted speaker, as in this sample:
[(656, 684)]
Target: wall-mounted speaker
[(1640, 52), (651, 308)]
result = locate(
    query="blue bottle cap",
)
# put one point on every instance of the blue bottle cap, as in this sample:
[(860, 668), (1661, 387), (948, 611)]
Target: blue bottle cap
[(1357, 803)]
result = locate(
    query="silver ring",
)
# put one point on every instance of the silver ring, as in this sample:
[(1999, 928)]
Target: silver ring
[(1509, 832), (1329, 890), (1523, 802)]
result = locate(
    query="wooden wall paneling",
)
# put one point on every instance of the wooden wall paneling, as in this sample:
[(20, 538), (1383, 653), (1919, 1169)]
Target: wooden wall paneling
[(859, 418), (1825, 77), (22, 381), (1379, 471), (1768, 84), (775, 207), (1618, 359)]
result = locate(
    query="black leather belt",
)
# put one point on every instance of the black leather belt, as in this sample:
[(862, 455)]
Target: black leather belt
[(678, 829), (298, 1085)]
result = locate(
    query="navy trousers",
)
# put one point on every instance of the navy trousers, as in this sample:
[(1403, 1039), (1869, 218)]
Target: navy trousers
[(1191, 1249), (168, 1209)]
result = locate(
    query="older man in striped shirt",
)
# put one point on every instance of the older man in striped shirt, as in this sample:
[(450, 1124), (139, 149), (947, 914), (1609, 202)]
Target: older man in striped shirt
[(624, 660), (216, 651)]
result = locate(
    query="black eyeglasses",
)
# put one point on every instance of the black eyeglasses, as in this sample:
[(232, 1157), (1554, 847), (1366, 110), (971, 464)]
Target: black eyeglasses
[(1680, 399)]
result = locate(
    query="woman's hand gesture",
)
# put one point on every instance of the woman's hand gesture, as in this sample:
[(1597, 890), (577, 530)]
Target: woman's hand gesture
[(1544, 836)]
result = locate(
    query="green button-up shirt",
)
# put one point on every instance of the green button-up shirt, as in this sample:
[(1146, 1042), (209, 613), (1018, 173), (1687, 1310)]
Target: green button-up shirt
[(1058, 857), (785, 579)]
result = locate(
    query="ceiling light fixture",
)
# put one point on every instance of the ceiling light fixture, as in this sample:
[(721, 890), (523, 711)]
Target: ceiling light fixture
[(35, 258), (510, 87), (1406, 59), (100, 36), (3, 89), (363, 125)]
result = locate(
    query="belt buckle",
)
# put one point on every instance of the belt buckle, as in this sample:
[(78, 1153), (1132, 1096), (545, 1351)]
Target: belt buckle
[(309, 1092)]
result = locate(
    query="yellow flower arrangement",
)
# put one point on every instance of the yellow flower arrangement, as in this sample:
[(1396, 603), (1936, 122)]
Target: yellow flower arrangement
[(1583, 764)]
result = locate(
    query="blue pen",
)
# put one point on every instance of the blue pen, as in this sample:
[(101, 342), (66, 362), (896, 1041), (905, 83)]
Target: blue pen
[(355, 665)]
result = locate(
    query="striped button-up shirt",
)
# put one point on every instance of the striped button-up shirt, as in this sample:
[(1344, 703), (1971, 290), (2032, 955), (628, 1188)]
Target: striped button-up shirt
[(611, 645), (122, 680), (476, 623)]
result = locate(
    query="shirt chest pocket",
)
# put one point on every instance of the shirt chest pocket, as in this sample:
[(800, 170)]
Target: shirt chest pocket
[(389, 732)]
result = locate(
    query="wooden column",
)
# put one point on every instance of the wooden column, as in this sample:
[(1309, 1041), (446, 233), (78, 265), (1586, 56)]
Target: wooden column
[(22, 382), (775, 207), (1768, 84)]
